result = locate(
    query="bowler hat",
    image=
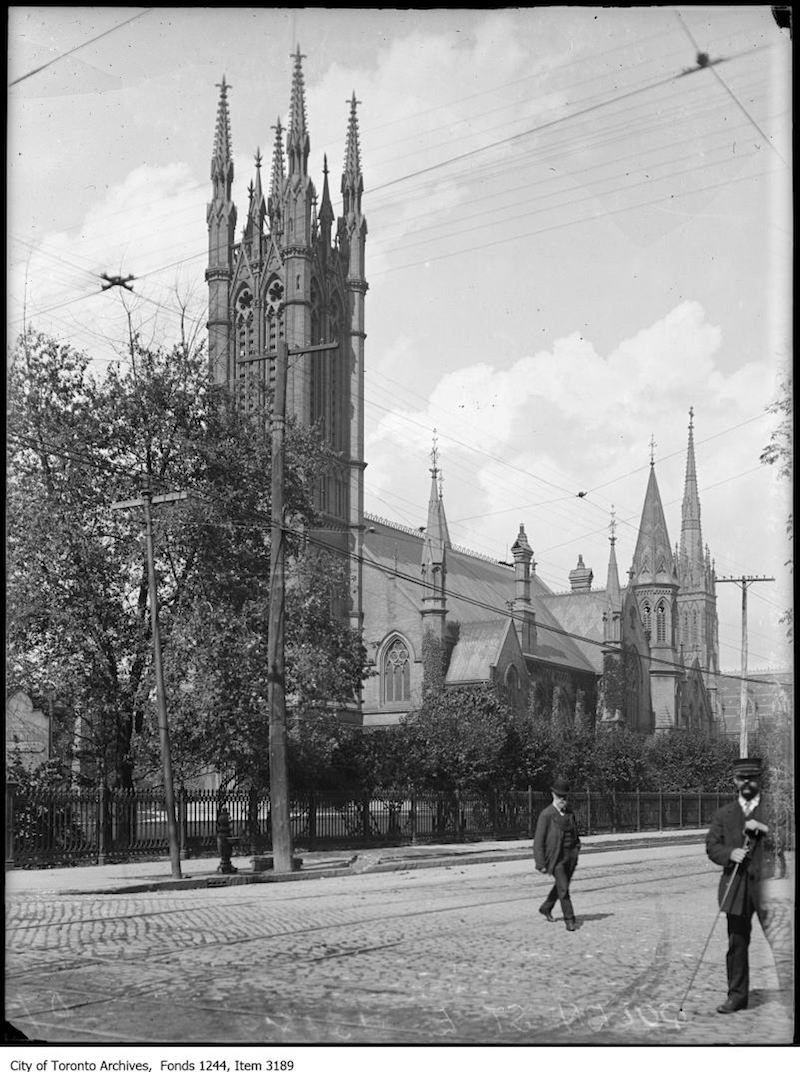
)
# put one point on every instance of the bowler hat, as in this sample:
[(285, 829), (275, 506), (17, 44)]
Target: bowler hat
[(747, 768), (560, 786)]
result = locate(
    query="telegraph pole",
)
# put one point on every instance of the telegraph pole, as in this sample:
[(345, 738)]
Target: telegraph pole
[(146, 501), (276, 638), (743, 582)]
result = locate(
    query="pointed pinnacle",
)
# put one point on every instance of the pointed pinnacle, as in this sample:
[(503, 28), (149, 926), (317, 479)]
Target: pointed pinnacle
[(222, 131)]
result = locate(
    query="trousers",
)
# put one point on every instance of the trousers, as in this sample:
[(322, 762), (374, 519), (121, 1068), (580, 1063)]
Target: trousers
[(562, 873), (737, 959)]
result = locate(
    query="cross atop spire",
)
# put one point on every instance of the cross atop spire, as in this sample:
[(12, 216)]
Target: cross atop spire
[(652, 449), (613, 526), (691, 418), (435, 455)]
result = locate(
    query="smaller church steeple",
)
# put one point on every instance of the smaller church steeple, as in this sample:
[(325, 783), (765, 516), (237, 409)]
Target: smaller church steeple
[(525, 617), (612, 624), (437, 537), (434, 556)]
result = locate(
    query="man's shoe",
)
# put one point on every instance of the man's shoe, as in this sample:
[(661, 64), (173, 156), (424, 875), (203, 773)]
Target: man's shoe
[(732, 1006), (571, 925), (546, 913)]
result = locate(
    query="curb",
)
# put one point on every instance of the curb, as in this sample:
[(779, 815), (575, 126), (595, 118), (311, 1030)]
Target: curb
[(319, 871)]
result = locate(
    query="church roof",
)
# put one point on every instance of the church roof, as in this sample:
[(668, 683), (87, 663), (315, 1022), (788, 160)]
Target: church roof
[(397, 550), (478, 649), (581, 613)]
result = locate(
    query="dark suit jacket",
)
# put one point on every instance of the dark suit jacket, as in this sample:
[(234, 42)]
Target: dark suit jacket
[(549, 837), (727, 832)]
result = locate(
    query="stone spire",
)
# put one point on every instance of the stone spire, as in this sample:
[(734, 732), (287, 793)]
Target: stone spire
[(691, 560), (612, 615), (221, 158), (434, 558), (326, 216), (254, 227), (221, 223), (652, 560), (277, 179), (613, 592), (297, 141), (352, 179), (437, 537)]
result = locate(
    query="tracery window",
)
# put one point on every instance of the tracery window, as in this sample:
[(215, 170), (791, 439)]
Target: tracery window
[(646, 616), (396, 672), (661, 623), (245, 349)]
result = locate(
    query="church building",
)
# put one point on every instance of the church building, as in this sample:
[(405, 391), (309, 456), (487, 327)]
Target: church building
[(643, 654)]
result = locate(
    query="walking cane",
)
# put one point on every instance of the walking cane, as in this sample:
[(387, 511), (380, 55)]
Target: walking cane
[(746, 847)]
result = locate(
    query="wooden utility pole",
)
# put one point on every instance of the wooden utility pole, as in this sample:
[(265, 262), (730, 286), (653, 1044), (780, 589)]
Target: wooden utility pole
[(276, 690), (743, 582), (276, 640), (146, 501)]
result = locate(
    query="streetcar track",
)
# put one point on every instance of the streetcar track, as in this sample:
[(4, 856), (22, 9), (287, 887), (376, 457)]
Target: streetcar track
[(328, 925)]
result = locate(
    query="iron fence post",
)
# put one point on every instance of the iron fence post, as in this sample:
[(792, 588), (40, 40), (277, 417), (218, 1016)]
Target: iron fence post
[(660, 803), (412, 819), (699, 808), (588, 811), (312, 820), (638, 811), (530, 812), (10, 826), (101, 825), (680, 809), (613, 811), (182, 823)]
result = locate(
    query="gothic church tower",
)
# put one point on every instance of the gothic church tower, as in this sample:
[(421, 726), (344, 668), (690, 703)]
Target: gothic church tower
[(290, 277), (655, 584)]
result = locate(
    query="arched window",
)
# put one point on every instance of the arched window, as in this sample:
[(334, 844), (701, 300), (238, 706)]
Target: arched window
[(661, 623), (646, 616), (273, 322), (396, 672), (694, 628), (245, 349), (512, 685)]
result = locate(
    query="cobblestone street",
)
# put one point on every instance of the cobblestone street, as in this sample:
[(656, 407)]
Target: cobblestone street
[(453, 954)]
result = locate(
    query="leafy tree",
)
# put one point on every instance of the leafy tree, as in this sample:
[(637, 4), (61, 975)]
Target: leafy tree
[(619, 760), (460, 739), (77, 574), (686, 759), (779, 452)]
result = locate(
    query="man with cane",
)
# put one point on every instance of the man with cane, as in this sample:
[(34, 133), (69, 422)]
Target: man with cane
[(737, 842)]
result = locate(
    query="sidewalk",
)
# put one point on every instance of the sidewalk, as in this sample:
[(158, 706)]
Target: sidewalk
[(153, 875)]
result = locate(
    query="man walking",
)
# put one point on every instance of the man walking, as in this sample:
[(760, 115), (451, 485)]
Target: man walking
[(556, 845), (737, 841)]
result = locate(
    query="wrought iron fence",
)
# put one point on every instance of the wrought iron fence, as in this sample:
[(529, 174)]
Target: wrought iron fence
[(55, 828)]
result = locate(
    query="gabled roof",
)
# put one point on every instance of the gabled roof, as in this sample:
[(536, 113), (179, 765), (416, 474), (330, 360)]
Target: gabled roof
[(397, 551), (479, 647), (581, 613)]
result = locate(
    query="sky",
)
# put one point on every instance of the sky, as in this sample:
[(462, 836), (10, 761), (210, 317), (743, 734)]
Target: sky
[(574, 237)]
